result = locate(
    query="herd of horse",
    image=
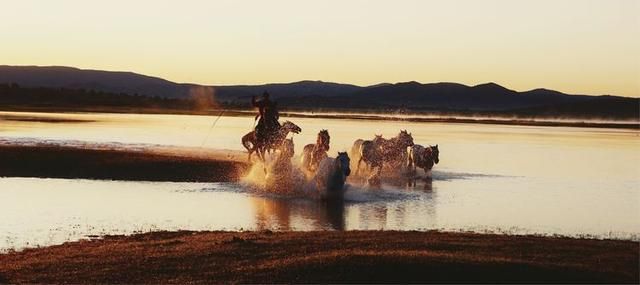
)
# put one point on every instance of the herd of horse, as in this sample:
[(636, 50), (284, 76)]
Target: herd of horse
[(399, 153)]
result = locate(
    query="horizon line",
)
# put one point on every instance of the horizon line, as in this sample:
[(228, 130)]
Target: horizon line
[(310, 80)]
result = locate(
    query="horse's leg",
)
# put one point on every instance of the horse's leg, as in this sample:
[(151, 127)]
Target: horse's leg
[(260, 153), (262, 158), (411, 165)]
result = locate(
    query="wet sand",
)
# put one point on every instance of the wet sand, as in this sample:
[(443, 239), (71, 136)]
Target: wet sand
[(317, 257), (145, 164)]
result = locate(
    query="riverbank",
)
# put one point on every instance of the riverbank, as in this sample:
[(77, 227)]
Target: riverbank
[(94, 161), (318, 257)]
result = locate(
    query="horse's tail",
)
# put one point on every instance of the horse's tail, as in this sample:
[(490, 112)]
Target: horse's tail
[(355, 149)]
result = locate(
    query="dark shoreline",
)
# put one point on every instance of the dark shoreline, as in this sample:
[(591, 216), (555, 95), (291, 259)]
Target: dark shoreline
[(320, 257), (168, 164)]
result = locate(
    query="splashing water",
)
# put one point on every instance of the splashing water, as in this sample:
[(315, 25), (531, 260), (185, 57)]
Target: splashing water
[(292, 180), (272, 177)]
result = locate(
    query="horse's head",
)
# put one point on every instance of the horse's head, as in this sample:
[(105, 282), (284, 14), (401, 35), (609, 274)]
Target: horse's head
[(344, 162), (405, 138), (379, 142), (378, 139), (291, 127), (324, 139), (435, 153)]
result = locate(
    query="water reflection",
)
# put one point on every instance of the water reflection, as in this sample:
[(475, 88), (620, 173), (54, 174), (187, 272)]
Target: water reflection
[(551, 180), (287, 214)]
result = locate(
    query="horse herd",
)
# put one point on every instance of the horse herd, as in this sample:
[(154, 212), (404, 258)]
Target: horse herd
[(399, 153)]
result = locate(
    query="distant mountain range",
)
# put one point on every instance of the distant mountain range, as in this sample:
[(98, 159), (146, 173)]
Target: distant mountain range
[(315, 95)]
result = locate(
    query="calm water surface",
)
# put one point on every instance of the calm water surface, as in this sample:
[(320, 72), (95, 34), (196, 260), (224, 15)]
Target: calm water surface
[(513, 179)]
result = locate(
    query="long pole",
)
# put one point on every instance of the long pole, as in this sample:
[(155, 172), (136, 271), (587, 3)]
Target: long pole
[(212, 126)]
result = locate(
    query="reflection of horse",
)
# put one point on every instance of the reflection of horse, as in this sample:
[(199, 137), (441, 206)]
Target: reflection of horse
[(368, 151), (312, 154), (423, 157), (282, 214), (332, 174), (254, 144), (394, 150)]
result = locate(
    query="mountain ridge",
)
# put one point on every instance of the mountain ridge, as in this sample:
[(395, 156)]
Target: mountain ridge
[(316, 94)]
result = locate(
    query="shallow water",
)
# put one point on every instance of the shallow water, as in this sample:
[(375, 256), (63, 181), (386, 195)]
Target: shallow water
[(514, 179)]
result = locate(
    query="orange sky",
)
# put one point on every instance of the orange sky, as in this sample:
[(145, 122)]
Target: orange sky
[(574, 46)]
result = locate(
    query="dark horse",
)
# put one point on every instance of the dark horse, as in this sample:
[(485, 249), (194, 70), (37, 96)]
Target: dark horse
[(423, 157), (394, 150), (313, 154), (260, 145)]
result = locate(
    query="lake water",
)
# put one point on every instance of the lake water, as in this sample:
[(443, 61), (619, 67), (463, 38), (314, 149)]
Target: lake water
[(491, 178)]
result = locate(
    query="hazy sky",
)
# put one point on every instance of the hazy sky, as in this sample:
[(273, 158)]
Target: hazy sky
[(582, 46)]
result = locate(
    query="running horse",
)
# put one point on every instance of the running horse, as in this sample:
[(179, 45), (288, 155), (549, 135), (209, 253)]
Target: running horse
[(394, 150), (253, 144), (369, 151), (331, 176), (313, 154), (278, 177), (423, 157)]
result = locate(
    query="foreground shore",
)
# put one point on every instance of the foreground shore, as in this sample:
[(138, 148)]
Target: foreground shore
[(310, 257)]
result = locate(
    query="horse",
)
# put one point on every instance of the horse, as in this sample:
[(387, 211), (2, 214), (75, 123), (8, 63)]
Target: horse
[(251, 142), (369, 151), (279, 175), (423, 157), (394, 150), (313, 154), (331, 176)]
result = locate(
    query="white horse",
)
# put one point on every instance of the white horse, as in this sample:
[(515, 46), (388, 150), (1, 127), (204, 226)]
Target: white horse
[(279, 176), (313, 154), (331, 176)]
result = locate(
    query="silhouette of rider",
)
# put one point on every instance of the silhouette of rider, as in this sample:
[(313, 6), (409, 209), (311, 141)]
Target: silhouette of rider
[(268, 113)]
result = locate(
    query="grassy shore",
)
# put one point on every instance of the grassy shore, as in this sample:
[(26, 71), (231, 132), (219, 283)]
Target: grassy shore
[(94, 162), (354, 256)]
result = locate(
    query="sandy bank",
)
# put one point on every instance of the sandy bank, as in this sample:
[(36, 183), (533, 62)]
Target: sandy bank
[(358, 256), (141, 164)]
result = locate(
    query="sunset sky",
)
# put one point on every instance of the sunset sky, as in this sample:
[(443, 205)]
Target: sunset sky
[(580, 47)]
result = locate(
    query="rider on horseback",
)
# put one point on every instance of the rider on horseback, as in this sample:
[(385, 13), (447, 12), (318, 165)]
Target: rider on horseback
[(268, 113)]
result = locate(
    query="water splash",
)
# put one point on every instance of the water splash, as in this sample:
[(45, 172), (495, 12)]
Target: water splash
[(272, 178), (267, 179)]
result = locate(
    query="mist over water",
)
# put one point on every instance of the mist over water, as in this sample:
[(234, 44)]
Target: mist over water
[(512, 179)]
